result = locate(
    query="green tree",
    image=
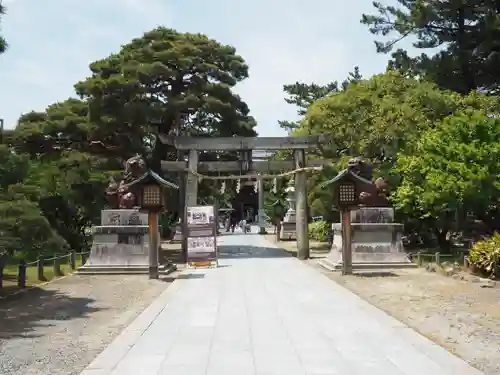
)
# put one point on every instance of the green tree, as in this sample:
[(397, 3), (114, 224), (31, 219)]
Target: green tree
[(3, 42), (62, 127), (382, 119), (67, 174), (321, 200), (455, 168), (461, 37), (70, 193), (13, 167), (379, 117), (302, 95), (165, 82), (25, 232), (274, 195)]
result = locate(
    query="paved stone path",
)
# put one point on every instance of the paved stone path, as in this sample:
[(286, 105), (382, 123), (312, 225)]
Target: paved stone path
[(263, 312)]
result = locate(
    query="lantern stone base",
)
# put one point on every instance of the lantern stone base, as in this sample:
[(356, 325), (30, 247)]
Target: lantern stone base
[(121, 245), (375, 245), (177, 237), (288, 231), (261, 221)]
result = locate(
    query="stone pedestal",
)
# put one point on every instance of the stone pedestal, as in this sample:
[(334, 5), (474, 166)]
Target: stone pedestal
[(177, 228), (261, 220), (120, 244), (288, 231), (376, 241)]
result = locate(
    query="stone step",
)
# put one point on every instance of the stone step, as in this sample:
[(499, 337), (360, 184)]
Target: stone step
[(111, 272), (123, 270), (325, 263)]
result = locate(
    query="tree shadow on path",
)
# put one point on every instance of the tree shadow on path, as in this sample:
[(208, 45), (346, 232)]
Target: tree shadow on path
[(24, 315), (249, 252)]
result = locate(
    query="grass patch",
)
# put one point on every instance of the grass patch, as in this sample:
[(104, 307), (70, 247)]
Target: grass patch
[(320, 247), (11, 272), (317, 249)]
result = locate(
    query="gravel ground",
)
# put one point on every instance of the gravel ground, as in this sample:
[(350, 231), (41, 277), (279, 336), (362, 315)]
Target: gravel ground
[(456, 314), (60, 328)]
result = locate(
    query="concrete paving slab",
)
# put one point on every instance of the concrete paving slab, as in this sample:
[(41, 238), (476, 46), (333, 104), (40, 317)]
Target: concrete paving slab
[(264, 312)]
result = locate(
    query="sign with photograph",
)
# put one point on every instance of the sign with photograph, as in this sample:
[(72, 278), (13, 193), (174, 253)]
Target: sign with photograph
[(200, 215), (201, 239)]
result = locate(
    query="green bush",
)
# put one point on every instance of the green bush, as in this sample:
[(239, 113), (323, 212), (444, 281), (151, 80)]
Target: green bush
[(318, 231), (485, 256)]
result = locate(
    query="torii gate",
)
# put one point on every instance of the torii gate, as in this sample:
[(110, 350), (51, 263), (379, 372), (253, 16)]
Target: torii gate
[(248, 168)]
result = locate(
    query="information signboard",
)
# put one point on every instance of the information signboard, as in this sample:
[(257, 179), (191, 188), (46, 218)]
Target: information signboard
[(201, 236)]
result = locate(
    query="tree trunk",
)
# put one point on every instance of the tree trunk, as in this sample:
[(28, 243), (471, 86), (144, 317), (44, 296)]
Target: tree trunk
[(464, 55)]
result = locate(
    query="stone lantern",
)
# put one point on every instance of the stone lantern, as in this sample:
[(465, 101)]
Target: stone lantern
[(149, 190), (288, 225), (291, 200), (127, 239), (367, 236)]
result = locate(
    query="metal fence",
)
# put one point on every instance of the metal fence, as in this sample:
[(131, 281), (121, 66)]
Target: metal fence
[(421, 258)]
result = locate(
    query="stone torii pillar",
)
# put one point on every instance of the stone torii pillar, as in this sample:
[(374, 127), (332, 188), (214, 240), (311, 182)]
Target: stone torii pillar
[(190, 196), (301, 205), (192, 180), (261, 212)]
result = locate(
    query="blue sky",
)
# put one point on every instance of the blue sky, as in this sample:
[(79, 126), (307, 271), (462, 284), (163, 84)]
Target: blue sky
[(283, 41)]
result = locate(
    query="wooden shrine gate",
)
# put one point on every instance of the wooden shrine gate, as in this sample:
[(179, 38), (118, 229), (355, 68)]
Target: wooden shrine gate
[(248, 169)]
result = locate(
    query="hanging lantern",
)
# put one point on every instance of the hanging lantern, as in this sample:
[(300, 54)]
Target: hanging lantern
[(275, 185), (256, 186), (238, 186), (223, 187)]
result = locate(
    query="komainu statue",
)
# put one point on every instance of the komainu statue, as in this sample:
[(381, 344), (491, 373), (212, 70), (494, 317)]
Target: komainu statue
[(135, 167), (359, 166), (112, 194), (376, 194), (117, 193)]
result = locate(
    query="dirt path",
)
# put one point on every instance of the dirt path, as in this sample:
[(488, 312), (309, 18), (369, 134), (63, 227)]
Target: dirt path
[(456, 314), (60, 329)]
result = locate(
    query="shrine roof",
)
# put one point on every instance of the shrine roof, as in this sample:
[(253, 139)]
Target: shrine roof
[(346, 173), (152, 176)]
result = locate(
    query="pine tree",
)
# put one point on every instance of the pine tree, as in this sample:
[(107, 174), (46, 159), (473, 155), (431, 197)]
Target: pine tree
[(461, 37), (3, 43)]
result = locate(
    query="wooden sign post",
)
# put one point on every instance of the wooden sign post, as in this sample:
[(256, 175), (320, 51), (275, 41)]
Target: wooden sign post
[(202, 237)]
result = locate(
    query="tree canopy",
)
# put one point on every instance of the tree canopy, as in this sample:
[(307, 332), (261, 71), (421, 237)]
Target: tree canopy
[(3, 42), (384, 115), (165, 82), (302, 95), (455, 168), (437, 148), (461, 37), (57, 162)]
